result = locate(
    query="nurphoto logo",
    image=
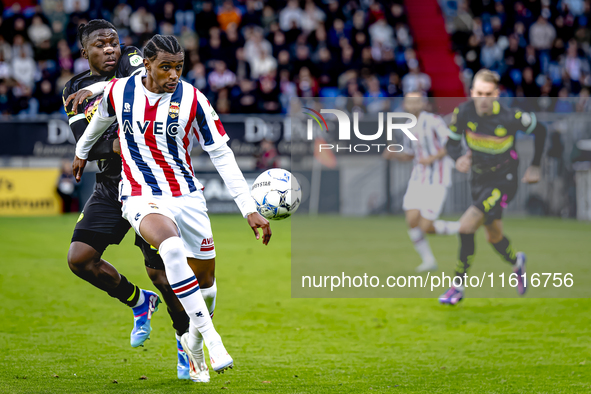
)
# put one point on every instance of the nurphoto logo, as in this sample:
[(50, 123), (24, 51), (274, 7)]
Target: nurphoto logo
[(393, 122)]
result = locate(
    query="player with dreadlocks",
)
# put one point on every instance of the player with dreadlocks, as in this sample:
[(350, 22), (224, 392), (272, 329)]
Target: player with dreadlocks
[(162, 199), (100, 224)]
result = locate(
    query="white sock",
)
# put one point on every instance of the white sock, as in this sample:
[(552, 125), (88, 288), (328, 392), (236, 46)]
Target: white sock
[(421, 244), (209, 294), (140, 300), (185, 286), (443, 227)]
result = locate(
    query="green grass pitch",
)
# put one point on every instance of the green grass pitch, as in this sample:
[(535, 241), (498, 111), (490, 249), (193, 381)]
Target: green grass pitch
[(58, 334)]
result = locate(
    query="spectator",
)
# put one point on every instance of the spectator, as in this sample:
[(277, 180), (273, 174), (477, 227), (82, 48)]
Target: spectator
[(268, 96), (5, 68), (242, 68), (38, 31), (253, 14), (290, 15), (25, 69), (264, 65), (382, 33), (197, 77), (72, 6), (542, 34), (245, 101), (221, 77), (49, 101), (312, 17), (254, 44), (415, 80), (205, 20), (576, 69), (306, 84), (491, 55), (563, 104), (229, 15), (7, 99), (142, 22)]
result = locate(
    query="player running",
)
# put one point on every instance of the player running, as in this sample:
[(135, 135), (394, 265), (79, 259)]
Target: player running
[(429, 180), (489, 129), (100, 223), (162, 199)]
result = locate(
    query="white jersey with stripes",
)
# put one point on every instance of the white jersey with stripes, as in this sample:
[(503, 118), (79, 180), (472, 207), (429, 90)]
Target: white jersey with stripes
[(432, 134), (156, 133)]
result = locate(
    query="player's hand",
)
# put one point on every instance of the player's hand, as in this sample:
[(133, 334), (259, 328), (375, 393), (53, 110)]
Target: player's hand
[(532, 175), (117, 146), (464, 163), (256, 221), (78, 98), (78, 168), (426, 160)]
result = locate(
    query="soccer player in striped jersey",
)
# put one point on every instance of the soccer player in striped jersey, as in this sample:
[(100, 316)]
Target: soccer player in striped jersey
[(162, 199), (489, 129), (429, 180), (100, 223)]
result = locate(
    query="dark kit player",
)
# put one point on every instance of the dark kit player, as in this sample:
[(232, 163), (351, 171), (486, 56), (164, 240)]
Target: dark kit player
[(100, 223), (489, 129)]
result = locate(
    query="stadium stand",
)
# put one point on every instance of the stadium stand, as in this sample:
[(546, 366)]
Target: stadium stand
[(252, 56)]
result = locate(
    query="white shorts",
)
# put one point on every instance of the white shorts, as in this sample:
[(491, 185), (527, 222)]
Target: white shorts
[(426, 198), (188, 212)]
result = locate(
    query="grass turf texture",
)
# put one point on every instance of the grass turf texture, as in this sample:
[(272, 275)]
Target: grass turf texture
[(58, 334)]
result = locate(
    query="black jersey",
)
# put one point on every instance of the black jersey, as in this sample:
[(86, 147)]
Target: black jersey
[(490, 137), (130, 63)]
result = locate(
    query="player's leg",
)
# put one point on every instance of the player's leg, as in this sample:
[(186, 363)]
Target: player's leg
[(419, 240), (470, 221), (160, 230), (412, 203), (502, 245), (100, 225), (501, 195), (204, 270), (180, 320)]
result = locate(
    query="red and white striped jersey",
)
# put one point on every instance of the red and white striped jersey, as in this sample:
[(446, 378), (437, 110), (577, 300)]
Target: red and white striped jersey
[(432, 134), (156, 133)]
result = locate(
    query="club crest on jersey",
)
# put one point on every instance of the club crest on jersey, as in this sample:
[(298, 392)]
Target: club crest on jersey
[(174, 109), (127, 107)]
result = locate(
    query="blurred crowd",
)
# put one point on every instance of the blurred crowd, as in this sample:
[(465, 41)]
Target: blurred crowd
[(247, 56), (254, 56), (540, 48)]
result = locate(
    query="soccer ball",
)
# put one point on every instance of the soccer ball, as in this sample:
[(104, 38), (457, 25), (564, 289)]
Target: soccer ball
[(277, 194)]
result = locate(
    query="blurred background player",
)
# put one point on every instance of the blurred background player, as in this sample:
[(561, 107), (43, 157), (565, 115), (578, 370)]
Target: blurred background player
[(489, 129), (100, 223), (162, 198), (429, 180)]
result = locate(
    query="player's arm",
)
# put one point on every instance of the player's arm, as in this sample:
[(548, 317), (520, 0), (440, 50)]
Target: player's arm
[(78, 124), (77, 98), (529, 122), (453, 146), (212, 138), (102, 119)]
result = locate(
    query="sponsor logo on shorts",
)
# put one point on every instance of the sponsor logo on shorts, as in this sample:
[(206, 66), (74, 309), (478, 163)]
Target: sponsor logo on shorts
[(152, 205), (207, 245), (137, 216)]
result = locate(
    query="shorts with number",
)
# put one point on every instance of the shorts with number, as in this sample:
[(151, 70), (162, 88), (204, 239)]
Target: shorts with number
[(427, 198), (492, 194), (188, 212)]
